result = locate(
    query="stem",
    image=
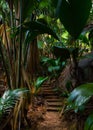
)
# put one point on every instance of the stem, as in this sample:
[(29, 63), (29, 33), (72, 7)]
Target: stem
[(4, 63), (20, 59), (12, 26), (19, 120), (8, 51), (20, 48)]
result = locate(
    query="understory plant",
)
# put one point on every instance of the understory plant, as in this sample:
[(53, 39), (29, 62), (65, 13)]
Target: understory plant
[(78, 101), (8, 102), (36, 85), (53, 66)]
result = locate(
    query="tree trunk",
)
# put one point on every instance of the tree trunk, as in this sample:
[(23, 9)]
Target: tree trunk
[(33, 59)]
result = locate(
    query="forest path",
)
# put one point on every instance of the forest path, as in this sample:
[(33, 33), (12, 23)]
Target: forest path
[(54, 102), (52, 122)]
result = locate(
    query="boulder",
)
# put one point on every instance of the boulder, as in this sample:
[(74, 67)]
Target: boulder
[(84, 73)]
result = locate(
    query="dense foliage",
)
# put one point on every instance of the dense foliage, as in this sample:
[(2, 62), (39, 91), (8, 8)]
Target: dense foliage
[(54, 28)]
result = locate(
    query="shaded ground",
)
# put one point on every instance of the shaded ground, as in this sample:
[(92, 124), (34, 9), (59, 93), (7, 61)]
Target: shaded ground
[(52, 122), (47, 117)]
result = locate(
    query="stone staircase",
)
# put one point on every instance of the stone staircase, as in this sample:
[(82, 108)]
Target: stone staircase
[(52, 98), (54, 107)]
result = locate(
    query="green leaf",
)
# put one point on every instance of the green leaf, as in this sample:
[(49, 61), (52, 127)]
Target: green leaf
[(40, 81), (84, 39), (89, 123), (8, 102), (91, 128), (45, 60), (37, 27), (43, 4), (53, 68), (79, 96), (74, 14)]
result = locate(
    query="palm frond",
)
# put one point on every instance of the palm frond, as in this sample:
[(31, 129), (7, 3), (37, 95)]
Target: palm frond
[(7, 104)]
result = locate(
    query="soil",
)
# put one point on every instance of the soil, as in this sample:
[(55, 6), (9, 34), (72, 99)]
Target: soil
[(52, 121), (48, 115)]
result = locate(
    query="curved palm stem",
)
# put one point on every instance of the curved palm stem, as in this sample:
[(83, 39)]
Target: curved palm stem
[(4, 63), (20, 49)]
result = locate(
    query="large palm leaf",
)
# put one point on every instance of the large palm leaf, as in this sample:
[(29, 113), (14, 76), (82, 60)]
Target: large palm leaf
[(74, 14)]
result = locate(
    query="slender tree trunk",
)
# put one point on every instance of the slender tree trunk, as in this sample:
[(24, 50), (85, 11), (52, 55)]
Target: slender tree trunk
[(33, 59)]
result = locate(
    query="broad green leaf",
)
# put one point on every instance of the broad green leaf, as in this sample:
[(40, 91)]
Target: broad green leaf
[(37, 28), (45, 60), (43, 4), (89, 123), (80, 95), (74, 14), (57, 61), (84, 39), (53, 68), (52, 64), (40, 81)]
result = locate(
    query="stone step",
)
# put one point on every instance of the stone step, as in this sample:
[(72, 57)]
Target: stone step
[(51, 97), (46, 93), (50, 94), (56, 109), (54, 100), (2, 86), (54, 104), (47, 89), (2, 82), (45, 85)]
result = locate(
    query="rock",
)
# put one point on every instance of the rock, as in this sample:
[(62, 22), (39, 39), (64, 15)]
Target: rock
[(84, 73)]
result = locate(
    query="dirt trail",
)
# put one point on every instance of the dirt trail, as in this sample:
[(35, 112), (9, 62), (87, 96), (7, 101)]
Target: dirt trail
[(52, 122)]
